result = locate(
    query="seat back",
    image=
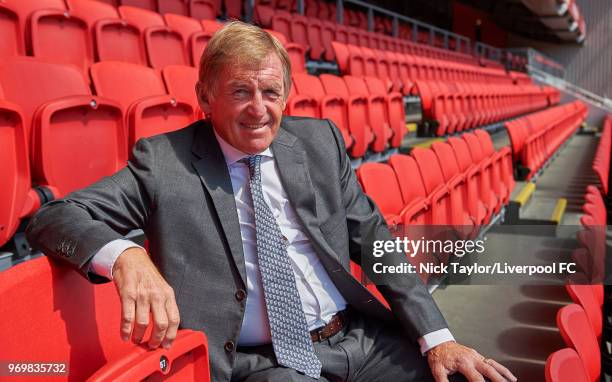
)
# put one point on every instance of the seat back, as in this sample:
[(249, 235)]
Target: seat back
[(578, 334), (585, 296), (408, 176), (379, 182), (430, 168), (565, 365), (82, 329), (447, 159), (125, 82), (29, 83), (164, 45), (462, 153), (180, 82)]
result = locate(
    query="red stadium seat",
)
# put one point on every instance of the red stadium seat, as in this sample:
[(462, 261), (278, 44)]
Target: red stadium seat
[(145, 4), (417, 210), (204, 9), (178, 7), (585, 296), (17, 198), (565, 365), (163, 45), (472, 172), (58, 105), (82, 329), (488, 195), (328, 33), (14, 24), (436, 188), (301, 105), (142, 95), (315, 39), (578, 334), (233, 9), (379, 182), (331, 106), (357, 113), (376, 112), (180, 82), (395, 109)]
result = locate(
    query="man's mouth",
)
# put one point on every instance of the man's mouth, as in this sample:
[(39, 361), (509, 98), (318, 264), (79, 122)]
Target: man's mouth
[(253, 126)]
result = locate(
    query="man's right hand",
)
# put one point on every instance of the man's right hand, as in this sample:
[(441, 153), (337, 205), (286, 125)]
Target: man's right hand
[(144, 293)]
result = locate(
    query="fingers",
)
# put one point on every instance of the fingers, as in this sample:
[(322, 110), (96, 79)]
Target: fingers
[(502, 370), (160, 321), (173, 321), (489, 371), (142, 318), (128, 311), (471, 374), (440, 374)]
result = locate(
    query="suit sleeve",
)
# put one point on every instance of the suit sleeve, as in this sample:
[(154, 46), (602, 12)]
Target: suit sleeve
[(407, 296), (75, 228)]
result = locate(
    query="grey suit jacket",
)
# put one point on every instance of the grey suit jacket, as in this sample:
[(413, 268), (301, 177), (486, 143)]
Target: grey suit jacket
[(177, 188)]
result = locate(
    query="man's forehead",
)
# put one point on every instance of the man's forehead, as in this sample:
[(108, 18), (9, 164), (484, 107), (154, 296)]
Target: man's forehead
[(250, 69)]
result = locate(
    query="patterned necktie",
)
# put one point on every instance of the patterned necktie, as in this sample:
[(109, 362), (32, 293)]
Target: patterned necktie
[(290, 337)]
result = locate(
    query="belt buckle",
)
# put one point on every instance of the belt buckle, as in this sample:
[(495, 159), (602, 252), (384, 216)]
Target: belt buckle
[(318, 332)]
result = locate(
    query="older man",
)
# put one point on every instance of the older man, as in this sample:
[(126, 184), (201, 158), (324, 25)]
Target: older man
[(252, 219)]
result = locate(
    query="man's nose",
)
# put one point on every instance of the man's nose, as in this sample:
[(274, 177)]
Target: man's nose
[(256, 107)]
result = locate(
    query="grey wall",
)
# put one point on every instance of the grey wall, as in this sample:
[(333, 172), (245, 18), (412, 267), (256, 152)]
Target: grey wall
[(590, 65)]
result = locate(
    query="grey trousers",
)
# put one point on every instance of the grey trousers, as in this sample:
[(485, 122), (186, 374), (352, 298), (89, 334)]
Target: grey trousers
[(364, 351)]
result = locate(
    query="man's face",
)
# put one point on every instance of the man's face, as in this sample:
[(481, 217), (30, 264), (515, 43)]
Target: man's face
[(247, 105)]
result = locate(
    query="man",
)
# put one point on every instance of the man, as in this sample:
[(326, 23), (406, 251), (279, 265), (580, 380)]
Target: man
[(251, 219)]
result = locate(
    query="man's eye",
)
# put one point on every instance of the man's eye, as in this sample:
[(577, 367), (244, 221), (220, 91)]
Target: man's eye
[(272, 93), (240, 91)]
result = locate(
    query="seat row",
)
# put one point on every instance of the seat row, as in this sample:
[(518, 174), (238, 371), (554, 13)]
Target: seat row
[(60, 324), (369, 117), (591, 254), (50, 111), (461, 183), (601, 162), (81, 32), (198, 9), (536, 137)]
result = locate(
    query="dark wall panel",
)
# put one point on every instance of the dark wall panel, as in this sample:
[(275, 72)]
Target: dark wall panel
[(590, 65)]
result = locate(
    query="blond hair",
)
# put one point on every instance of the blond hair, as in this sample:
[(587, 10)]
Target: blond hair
[(240, 44)]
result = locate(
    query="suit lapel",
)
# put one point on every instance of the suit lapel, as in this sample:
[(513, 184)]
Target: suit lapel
[(293, 171), (215, 176)]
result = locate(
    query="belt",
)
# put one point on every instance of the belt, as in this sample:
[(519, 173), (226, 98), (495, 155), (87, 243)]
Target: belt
[(335, 325)]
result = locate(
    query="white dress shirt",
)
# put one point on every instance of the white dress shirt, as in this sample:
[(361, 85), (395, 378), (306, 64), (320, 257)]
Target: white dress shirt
[(320, 297)]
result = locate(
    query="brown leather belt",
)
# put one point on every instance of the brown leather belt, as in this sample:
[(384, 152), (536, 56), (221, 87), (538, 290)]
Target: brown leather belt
[(334, 326)]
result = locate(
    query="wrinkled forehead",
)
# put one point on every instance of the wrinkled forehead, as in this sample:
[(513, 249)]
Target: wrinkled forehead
[(268, 69)]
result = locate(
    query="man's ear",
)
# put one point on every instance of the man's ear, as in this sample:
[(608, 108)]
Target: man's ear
[(202, 98)]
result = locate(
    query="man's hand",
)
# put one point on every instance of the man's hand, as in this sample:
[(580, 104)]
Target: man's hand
[(143, 291), (451, 357)]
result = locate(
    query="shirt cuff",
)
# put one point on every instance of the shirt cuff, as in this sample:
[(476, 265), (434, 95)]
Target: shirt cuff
[(433, 339), (102, 262)]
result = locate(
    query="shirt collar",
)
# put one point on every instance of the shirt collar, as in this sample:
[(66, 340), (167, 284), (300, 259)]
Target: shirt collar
[(232, 154)]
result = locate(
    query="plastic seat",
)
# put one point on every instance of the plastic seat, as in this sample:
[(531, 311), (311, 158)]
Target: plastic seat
[(144, 4), (14, 23), (82, 329), (204, 9), (119, 40), (301, 105), (180, 82), (17, 198), (233, 9), (435, 186), (332, 106), (476, 207), (395, 109), (194, 37), (379, 182), (456, 182), (141, 93), (586, 296), (356, 109), (61, 114), (177, 7), (488, 195), (418, 209), (67, 37), (294, 51), (328, 33), (578, 334), (163, 45), (376, 113), (501, 178), (315, 39), (565, 365), (298, 32)]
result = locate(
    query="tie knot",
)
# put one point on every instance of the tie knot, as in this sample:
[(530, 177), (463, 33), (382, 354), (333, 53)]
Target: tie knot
[(254, 163)]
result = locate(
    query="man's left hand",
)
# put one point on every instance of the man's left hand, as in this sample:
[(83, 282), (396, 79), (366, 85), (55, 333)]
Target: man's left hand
[(450, 357)]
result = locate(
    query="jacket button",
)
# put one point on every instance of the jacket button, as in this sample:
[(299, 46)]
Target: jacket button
[(240, 295), (229, 346)]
